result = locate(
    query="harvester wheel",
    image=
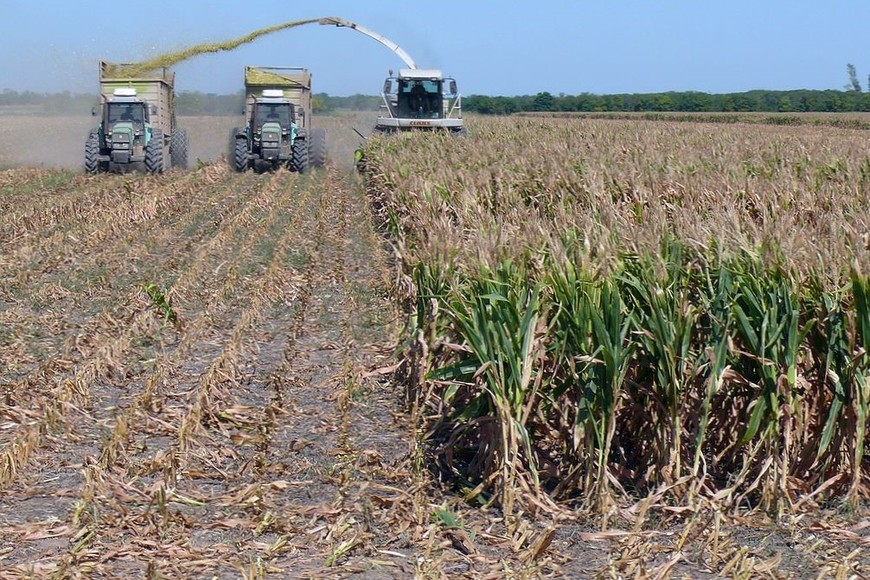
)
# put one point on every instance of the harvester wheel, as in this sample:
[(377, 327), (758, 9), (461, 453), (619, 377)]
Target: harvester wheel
[(178, 146), (317, 148), (300, 155), (154, 153), (240, 154), (92, 153)]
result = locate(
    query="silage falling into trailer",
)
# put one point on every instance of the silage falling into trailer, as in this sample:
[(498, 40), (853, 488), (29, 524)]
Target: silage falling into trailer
[(172, 58)]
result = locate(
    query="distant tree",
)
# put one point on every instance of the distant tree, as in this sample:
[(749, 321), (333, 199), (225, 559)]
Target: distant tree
[(320, 104), (544, 102), (692, 101), (665, 102), (854, 83), (480, 104)]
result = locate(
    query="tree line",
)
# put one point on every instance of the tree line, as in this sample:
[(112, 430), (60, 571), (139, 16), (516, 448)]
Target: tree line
[(196, 103), (851, 99), (689, 101), (187, 102)]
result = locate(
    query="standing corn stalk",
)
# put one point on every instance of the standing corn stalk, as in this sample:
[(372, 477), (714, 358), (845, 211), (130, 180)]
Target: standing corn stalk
[(497, 317), (665, 322), (766, 311), (590, 326), (861, 362), (719, 315)]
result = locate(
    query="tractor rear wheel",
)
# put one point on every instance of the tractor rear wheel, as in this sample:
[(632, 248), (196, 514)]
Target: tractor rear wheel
[(92, 153), (240, 153), (299, 162), (317, 148), (178, 146), (154, 153)]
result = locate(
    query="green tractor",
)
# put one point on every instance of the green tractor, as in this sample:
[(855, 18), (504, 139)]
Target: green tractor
[(276, 131), (137, 128)]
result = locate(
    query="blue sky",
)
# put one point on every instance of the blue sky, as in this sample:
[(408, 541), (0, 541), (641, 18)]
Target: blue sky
[(491, 47)]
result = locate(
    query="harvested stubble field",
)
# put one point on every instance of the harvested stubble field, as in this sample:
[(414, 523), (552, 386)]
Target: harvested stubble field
[(199, 374)]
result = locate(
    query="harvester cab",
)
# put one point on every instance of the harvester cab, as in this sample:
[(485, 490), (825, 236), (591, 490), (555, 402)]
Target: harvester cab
[(420, 98), (420, 94)]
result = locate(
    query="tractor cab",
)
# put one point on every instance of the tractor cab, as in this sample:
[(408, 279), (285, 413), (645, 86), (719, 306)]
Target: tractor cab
[(135, 113), (124, 106), (273, 128), (126, 127), (273, 112)]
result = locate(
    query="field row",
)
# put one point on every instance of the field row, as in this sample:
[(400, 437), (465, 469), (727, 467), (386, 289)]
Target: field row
[(183, 351)]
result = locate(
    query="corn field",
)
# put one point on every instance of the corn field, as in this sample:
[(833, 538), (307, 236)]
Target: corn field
[(603, 311), (557, 348)]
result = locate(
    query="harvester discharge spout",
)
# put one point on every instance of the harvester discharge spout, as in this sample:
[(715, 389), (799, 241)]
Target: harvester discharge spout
[(342, 23)]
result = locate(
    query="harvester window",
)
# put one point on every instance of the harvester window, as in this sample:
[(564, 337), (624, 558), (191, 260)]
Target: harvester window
[(420, 98)]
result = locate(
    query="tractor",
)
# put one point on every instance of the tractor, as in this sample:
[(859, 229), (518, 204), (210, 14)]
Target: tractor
[(137, 127), (277, 123)]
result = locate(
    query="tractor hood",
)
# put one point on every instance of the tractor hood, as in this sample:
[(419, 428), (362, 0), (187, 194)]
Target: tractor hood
[(121, 127), (271, 132), (121, 135)]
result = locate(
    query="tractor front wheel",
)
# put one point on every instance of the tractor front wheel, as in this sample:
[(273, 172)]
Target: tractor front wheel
[(299, 162), (154, 162), (240, 154), (92, 153)]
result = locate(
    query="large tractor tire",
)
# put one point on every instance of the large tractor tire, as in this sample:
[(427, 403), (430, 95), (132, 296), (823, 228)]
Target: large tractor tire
[(299, 162), (240, 157), (154, 162), (178, 147), (317, 148), (92, 153)]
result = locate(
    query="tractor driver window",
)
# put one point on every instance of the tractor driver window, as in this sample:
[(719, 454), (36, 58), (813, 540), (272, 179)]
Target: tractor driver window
[(124, 113), (277, 113)]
